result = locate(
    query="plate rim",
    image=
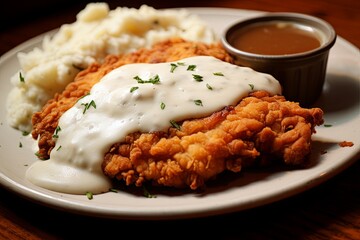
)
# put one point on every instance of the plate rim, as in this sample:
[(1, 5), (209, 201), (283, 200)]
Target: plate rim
[(43, 199)]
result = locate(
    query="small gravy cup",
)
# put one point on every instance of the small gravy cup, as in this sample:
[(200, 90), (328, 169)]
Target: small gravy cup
[(301, 72)]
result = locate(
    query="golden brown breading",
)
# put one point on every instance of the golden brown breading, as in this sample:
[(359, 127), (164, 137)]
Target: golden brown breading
[(45, 121), (260, 128)]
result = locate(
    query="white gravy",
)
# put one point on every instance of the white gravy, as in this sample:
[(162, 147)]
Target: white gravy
[(119, 105)]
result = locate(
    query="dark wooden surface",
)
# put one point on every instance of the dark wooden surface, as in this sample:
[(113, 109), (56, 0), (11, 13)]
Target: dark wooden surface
[(328, 211)]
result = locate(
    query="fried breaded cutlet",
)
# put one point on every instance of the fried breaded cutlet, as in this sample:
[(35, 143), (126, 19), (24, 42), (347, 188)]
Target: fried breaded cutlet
[(45, 121), (260, 129)]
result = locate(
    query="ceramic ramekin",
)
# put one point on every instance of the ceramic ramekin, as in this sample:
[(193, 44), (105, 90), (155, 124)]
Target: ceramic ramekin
[(301, 75)]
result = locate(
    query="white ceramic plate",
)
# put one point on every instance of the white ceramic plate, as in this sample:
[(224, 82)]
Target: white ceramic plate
[(340, 100)]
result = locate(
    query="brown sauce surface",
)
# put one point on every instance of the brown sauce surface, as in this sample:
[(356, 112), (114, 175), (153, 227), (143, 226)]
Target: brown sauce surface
[(275, 39)]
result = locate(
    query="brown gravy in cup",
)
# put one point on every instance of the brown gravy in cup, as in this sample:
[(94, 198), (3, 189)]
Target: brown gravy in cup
[(276, 38)]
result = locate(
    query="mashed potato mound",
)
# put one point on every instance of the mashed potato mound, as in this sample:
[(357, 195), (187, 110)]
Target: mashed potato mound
[(97, 32)]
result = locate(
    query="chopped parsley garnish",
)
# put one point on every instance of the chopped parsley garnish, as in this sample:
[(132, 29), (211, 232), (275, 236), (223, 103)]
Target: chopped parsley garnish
[(218, 74), (173, 66), (327, 125), (38, 155), (198, 78), (162, 106), (113, 190), (198, 102), (153, 80), (181, 63), (25, 133), (88, 105), (57, 130), (175, 124), (58, 148), (89, 195), (191, 68), (251, 86), (20, 145), (134, 89), (22, 79), (147, 193), (209, 87)]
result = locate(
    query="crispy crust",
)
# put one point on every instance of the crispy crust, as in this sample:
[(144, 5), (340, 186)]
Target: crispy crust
[(45, 121), (260, 129)]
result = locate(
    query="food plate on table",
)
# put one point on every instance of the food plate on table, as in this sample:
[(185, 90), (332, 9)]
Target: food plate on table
[(339, 100)]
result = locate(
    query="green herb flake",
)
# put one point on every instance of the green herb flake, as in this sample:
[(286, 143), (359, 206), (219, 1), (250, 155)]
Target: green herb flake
[(191, 68), (38, 155), (113, 190), (57, 130), (209, 87), (133, 89), (198, 102), (154, 80), (21, 77), (175, 124), (147, 194), (218, 74), (89, 195), (58, 148), (173, 67), (198, 78), (162, 106), (251, 86), (88, 105), (181, 63), (328, 125), (20, 145), (25, 133)]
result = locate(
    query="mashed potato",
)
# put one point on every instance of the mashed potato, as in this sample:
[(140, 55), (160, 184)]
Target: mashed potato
[(97, 32)]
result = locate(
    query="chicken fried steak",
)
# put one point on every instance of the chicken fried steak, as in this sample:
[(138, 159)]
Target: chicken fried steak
[(260, 128), (46, 121)]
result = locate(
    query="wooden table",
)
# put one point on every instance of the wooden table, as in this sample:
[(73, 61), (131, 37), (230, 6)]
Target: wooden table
[(328, 211)]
